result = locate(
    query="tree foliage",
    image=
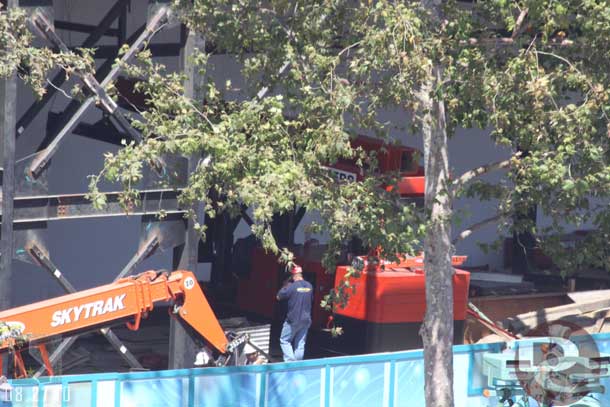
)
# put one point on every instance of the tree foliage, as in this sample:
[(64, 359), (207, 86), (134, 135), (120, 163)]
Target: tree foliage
[(531, 72), (17, 54), (528, 71), (268, 154)]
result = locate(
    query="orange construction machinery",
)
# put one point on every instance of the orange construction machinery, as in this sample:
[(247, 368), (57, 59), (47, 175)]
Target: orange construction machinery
[(128, 299), (384, 312)]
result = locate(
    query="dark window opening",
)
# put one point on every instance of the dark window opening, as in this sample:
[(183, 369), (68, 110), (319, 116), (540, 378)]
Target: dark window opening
[(408, 162)]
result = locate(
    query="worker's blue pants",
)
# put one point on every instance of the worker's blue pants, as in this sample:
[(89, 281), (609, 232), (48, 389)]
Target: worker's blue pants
[(292, 340)]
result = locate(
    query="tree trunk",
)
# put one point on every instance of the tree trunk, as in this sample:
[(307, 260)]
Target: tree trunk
[(437, 330)]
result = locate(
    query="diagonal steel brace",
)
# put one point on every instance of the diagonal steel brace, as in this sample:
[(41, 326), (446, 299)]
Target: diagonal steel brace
[(143, 252), (45, 27), (45, 262), (103, 27), (155, 24)]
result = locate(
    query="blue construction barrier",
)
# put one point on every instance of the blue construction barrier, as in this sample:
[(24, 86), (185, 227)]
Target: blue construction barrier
[(385, 379)]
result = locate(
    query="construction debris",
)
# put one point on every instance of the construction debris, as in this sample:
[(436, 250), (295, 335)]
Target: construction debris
[(521, 324)]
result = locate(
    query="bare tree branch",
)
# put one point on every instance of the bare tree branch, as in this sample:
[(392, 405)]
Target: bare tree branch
[(474, 227), (476, 172), (502, 41), (506, 41), (519, 23)]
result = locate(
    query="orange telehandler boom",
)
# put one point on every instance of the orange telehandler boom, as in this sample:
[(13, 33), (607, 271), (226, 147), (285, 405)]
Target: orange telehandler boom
[(128, 299)]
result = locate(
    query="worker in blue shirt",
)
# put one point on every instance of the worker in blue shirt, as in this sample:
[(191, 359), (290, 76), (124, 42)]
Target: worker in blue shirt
[(298, 294)]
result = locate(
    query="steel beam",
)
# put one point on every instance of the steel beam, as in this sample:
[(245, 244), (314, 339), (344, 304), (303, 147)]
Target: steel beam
[(8, 115), (34, 209), (93, 86), (168, 49), (156, 23), (222, 236), (156, 234), (42, 258), (74, 105), (84, 28), (57, 353), (97, 91), (182, 347), (30, 114), (122, 30), (118, 346), (101, 130), (143, 252), (31, 3)]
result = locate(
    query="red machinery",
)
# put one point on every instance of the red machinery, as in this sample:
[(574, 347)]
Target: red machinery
[(257, 291), (388, 305), (392, 158), (383, 314), (126, 299)]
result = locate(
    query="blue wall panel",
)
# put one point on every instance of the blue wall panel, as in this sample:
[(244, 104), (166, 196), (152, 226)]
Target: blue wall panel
[(409, 383), (386, 379), (358, 385), (237, 390), (294, 388), (154, 393), (80, 394)]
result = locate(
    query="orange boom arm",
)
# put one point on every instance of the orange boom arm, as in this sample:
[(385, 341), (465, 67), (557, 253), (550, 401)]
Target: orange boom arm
[(131, 297)]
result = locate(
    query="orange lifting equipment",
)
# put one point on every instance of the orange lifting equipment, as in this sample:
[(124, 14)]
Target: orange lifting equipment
[(129, 299)]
